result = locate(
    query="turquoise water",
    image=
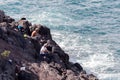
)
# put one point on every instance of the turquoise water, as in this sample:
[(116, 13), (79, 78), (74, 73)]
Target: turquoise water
[(88, 30)]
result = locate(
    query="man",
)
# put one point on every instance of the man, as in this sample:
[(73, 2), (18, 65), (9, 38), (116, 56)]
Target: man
[(35, 32), (45, 53)]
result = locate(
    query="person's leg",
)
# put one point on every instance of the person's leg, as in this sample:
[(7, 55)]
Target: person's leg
[(41, 57)]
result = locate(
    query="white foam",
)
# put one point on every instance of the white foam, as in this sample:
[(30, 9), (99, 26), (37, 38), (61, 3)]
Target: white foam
[(96, 57), (109, 76)]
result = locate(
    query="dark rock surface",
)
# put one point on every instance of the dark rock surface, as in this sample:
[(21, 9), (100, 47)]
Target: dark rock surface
[(20, 59)]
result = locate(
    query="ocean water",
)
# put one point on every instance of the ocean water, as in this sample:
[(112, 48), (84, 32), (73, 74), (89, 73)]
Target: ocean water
[(88, 30)]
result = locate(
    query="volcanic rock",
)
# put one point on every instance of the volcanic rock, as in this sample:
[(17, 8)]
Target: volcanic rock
[(20, 58)]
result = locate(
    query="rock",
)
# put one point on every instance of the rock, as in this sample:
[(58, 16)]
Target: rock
[(3, 24), (1, 33), (13, 25), (2, 15), (83, 75), (24, 75), (78, 66), (71, 75), (36, 46), (4, 18), (92, 77), (24, 61), (8, 19)]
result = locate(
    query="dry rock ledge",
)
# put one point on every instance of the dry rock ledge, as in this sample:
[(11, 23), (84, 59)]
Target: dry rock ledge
[(20, 58)]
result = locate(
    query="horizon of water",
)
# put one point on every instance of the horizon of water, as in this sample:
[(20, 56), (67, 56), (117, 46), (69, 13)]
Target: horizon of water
[(88, 30)]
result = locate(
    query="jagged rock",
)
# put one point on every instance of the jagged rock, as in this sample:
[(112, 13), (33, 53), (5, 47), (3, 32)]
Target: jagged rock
[(4, 18), (13, 25), (92, 77), (1, 16), (24, 75), (83, 75), (24, 61), (1, 33), (36, 46), (8, 19)]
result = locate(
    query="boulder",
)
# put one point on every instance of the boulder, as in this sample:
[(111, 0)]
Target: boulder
[(8, 19), (5, 18)]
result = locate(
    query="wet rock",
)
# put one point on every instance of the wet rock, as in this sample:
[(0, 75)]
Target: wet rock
[(92, 77), (83, 75), (78, 66)]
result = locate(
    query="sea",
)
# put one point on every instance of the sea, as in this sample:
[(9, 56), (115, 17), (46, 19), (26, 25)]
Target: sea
[(87, 30)]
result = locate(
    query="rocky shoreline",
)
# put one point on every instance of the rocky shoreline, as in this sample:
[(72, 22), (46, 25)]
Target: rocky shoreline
[(19, 55)]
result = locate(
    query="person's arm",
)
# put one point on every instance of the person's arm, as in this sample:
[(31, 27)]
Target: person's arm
[(33, 34), (43, 49)]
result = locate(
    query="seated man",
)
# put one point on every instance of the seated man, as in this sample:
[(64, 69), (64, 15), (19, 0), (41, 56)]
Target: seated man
[(45, 53), (20, 24), (20, 28), (35, 32), (46, 49)]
